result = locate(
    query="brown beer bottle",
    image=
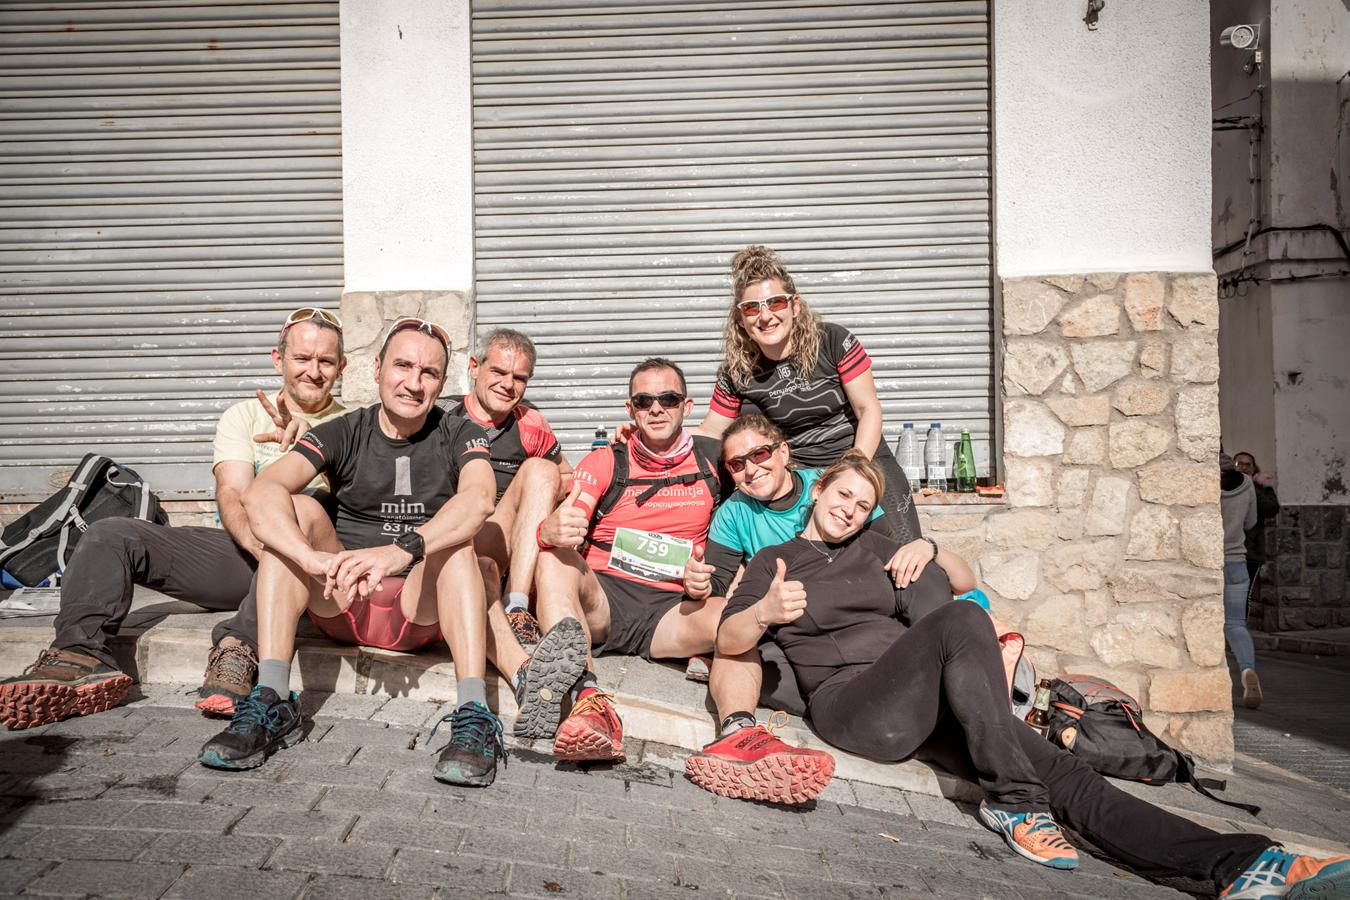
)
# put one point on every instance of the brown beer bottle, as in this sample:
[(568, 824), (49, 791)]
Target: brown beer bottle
[(1039, 717)]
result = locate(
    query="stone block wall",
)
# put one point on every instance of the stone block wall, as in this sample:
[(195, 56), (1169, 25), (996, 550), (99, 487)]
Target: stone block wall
[(366, 315), (1108, 553), (1303, 586)]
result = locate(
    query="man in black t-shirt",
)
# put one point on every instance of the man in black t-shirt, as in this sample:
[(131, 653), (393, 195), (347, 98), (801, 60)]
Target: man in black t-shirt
[(411, 486)]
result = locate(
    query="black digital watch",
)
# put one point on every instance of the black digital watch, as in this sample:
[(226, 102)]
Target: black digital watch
[(411, 542)]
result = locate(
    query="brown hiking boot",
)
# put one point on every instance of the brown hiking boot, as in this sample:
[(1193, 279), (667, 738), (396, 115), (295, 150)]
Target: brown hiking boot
[(231, 670), (60, 683)]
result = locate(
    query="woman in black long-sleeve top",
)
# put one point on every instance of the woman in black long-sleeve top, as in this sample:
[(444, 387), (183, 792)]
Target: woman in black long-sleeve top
[(892, 673)]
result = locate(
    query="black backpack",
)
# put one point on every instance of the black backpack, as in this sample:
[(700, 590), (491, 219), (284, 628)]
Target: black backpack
[(706, 452), (35, 548), (1104, 726)]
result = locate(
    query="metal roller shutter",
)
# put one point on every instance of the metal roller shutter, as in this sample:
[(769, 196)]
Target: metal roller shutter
[(170, 187), (625, 150)]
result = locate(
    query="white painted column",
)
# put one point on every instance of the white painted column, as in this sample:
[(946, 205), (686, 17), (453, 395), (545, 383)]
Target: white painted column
[(407, 177), (1102, 138), (407, 145)]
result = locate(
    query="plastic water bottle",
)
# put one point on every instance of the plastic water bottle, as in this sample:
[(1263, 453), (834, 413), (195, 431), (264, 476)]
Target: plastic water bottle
[(601, 439), (935, 457), (907, 454)]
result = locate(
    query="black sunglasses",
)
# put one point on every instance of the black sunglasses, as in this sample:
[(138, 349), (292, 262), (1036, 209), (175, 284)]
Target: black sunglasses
[(757, 455), (667, 399)]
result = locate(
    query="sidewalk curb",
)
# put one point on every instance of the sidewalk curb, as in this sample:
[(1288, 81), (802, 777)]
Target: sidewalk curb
[(174, 650)]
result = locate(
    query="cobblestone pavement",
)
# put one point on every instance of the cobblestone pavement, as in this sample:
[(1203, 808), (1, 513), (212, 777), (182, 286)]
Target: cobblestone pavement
[(1302, 726), (115, 805)]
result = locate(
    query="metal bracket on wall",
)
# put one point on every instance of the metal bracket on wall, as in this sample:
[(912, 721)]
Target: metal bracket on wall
[(1094, 9)]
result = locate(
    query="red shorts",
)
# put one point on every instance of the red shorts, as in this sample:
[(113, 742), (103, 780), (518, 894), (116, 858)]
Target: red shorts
[(377, 621)]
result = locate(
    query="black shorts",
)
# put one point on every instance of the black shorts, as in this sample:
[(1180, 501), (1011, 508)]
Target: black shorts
[(634, 612)]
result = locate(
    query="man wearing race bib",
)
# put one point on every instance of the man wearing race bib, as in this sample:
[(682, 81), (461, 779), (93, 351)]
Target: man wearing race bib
[(643, 511)]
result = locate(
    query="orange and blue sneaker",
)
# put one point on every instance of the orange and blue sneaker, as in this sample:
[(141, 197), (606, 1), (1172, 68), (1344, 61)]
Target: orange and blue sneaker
[(591, 731), (1034, 835), (1278, 873), (753, 763)]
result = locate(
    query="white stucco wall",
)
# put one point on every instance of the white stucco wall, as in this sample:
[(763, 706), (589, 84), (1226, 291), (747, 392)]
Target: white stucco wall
[(1311, 325), (407, 165), (1102, 138), (1309, 52), (1310, 183)]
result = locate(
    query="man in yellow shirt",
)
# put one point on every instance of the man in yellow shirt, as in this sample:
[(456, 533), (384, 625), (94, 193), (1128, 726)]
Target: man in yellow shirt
[(211, 567)]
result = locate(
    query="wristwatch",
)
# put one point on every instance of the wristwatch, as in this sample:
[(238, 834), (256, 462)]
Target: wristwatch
[(411, 542)]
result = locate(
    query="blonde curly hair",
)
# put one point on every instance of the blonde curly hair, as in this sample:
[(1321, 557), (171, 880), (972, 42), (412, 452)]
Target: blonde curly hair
[(741, 355)]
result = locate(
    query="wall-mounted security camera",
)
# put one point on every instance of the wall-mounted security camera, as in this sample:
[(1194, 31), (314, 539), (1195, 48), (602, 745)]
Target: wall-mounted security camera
[(1241, 37)]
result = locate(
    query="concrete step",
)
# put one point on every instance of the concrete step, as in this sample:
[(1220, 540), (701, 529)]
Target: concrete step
[(165, 641)]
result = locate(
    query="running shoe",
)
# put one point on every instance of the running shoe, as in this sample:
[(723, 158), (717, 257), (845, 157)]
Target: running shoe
[(1034, 835), (755, 764), (557, 663), (1251, 689), (60, 683), (475, 746), (524, 626), (1278, 873), (231, 670), (591, 731), (263, 723), (699, 668)]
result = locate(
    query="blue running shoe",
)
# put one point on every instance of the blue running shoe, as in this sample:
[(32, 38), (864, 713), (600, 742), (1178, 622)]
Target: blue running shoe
[(1280, 874), (262, 724), (1034, 835), (475, 746)]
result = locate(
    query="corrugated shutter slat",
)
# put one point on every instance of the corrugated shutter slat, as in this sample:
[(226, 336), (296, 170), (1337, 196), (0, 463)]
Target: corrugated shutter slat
[(625, 150), (170, 187)]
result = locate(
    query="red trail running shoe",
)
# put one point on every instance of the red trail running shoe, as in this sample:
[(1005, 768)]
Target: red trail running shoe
[(754, 764), (592, 731)]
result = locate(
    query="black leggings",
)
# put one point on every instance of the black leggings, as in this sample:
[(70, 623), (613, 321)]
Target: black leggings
[(902, 518), (948, 663), (939, 693)]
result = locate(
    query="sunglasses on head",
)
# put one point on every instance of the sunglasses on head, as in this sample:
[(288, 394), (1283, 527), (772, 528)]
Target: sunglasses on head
[(412, 323), (667, 399), (776, 303), (305, 313), (757, 455)]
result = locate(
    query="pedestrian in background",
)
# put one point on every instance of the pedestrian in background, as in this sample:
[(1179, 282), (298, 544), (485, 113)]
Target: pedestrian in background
[(1238, 506), (1267, 508)]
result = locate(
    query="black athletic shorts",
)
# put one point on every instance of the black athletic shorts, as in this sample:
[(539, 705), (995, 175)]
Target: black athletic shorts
[(634, 612)]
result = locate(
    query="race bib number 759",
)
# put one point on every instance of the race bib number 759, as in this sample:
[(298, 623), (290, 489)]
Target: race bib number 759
[(650, 555)]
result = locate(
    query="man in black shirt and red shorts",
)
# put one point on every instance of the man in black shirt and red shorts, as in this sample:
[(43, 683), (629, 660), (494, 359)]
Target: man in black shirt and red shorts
[(412, 485), (532, 476), (643, 510)]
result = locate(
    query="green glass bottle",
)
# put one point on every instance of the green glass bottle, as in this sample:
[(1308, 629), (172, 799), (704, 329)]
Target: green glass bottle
[(963, 469)]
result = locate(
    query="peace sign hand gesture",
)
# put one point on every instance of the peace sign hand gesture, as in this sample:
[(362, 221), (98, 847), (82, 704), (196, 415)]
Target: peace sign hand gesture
[(289, 428)]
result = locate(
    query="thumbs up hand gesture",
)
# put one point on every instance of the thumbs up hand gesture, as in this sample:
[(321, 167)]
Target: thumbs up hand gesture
[(698, 576), (566, 526), (784, 602)]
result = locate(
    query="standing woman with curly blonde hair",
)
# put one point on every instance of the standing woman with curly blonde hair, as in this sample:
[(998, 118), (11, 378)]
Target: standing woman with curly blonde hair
[(811, 378)]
